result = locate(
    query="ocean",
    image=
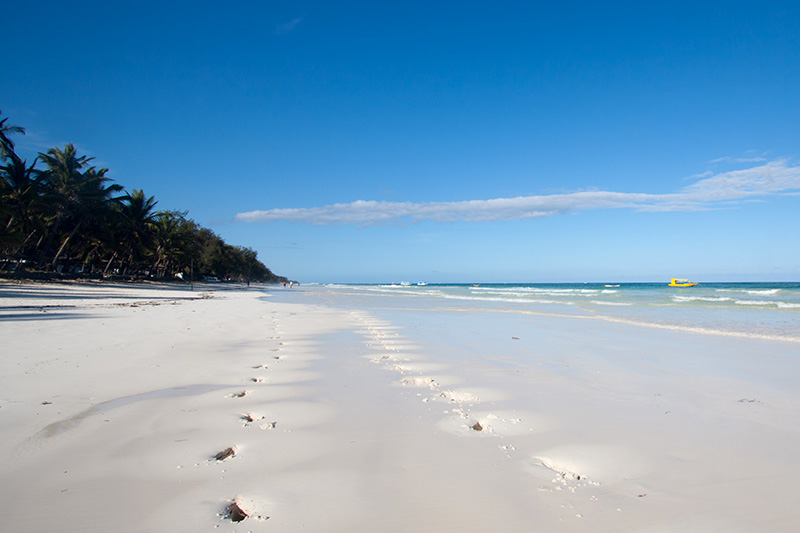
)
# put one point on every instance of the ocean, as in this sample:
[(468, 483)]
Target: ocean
[(756, 310)]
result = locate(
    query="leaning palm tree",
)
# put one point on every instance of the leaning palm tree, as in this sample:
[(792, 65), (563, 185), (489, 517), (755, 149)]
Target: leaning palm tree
[(88, 197), (6, 144), (63, 177)]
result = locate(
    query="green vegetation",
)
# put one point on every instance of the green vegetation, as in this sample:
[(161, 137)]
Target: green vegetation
[(61, 215)]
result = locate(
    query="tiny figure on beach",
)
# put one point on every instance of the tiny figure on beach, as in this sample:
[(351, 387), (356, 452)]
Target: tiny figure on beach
[(291, 284), (284, 283)]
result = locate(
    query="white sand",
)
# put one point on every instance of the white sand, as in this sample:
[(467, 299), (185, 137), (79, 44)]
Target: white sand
[(115, 398)]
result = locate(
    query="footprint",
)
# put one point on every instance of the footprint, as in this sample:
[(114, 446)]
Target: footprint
[(225, 454), (249, 418), (235, 512), (238, 510)]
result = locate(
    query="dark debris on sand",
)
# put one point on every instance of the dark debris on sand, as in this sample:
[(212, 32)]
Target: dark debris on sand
[(224, 454), (236, 513)]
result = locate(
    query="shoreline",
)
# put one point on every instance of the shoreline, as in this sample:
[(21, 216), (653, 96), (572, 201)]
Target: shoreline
[(768, 312), (386, 419)]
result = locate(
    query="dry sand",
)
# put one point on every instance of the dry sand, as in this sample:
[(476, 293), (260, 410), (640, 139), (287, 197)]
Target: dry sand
[(115, 400)]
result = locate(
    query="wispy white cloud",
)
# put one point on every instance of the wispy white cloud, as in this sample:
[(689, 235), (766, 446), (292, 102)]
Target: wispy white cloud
[(288, 27), (712, 191), (754, 159)]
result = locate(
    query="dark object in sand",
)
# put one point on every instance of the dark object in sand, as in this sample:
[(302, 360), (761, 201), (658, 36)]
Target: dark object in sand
[(477, 426), (237, 513), (224, 454)]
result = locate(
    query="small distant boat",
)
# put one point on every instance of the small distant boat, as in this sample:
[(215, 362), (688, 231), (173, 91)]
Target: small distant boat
[(421, 284), (676, 282), (611, 285)]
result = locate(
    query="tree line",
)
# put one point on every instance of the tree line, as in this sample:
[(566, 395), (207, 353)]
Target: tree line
[(60, 214)]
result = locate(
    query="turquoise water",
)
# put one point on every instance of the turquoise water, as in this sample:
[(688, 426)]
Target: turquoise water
[(762, 310)]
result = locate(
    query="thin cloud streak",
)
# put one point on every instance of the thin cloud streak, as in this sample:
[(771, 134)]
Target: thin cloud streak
[(755, 159), (775, 177), (283, 29)]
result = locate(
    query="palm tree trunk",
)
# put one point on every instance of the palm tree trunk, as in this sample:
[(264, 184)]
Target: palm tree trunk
[(157, 261), (50, 235), (108, 265), (25, 241), (64, 244)]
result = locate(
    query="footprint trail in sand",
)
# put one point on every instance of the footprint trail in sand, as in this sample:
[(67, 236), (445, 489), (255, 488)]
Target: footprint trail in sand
[(562, 470)]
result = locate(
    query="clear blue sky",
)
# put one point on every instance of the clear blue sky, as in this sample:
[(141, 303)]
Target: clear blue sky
[(437, 141)]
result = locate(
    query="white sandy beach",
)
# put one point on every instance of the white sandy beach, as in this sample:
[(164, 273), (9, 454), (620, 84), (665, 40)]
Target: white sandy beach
[(115, 398)]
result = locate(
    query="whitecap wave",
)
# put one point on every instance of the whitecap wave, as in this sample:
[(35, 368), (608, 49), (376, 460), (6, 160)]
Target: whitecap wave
[(701, 299), (504, 299), (534, 290), (765, 303), (752, 291), (765, 291)]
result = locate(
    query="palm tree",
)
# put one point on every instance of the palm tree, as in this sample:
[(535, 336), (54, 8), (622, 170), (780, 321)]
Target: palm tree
[(92, 203), (22, 194), (64, 170), (6, 144), (79, 196), (138, 219), (63, 177), (99, 239), (173, 233)]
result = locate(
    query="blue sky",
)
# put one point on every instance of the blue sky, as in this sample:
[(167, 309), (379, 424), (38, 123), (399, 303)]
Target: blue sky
[(448, 141)]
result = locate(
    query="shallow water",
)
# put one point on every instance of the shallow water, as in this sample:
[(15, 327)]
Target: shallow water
[(757, 310)]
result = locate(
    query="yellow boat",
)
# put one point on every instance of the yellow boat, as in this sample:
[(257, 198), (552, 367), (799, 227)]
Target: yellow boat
[(681, 283)]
